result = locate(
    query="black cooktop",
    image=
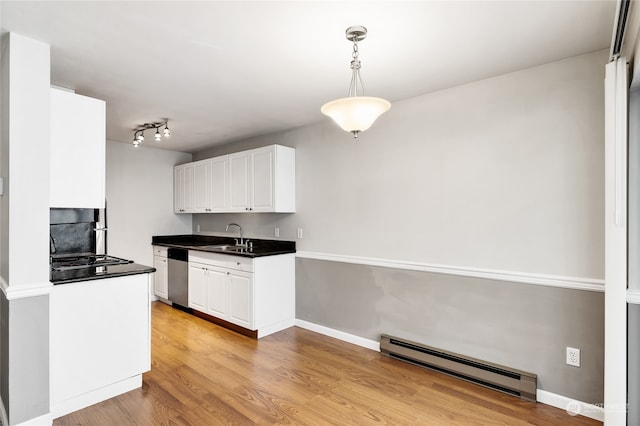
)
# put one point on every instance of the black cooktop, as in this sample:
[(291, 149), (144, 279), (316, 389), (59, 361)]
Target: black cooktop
[(71, 261)]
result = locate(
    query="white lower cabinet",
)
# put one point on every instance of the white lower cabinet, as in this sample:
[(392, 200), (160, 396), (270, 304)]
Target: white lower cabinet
[(161, 276), (257, 294), (222, 292), (198, 276)]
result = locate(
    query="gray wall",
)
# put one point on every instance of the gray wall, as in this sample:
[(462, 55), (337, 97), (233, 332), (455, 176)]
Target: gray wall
[(521, 326), (501, 174)]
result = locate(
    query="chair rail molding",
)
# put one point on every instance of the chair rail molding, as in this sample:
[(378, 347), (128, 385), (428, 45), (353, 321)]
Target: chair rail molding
[(574, 283)]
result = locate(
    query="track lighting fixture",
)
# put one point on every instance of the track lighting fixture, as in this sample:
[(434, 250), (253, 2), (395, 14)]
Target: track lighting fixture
[(138, 132)]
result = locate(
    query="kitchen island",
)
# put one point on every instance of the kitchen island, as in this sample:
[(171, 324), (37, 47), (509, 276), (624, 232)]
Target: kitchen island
[(100, 334)]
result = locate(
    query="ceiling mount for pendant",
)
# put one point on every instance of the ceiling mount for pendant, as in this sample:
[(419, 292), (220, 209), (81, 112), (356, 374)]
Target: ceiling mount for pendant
[(356, 113), (356, 33)]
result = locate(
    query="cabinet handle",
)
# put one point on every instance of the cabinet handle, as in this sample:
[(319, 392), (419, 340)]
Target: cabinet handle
[(238, 263), (228, 273)]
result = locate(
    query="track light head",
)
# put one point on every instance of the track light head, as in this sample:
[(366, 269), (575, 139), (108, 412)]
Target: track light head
[(158, 136), (166, 130)]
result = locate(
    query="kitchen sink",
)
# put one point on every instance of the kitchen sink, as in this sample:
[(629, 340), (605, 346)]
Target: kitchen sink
[(223, 247)]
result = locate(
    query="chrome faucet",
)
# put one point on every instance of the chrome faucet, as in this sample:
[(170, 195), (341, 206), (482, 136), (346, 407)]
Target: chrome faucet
[(241, 244)]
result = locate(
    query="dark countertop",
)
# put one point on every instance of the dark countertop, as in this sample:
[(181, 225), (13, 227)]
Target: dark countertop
[(98, 272), (197, 242)]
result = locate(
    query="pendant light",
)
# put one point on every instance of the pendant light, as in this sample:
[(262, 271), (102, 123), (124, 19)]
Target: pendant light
[(356, 113)]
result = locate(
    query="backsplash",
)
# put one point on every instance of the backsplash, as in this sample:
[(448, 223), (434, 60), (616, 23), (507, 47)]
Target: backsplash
[(72, 230)]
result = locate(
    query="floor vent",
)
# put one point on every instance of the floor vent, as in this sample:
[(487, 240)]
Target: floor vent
[(498, 377)]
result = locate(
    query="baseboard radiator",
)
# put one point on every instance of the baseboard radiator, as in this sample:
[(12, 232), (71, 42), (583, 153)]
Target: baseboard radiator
[(498, 377)]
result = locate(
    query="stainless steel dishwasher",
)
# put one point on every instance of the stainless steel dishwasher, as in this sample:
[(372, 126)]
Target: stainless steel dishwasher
[(178, 277)]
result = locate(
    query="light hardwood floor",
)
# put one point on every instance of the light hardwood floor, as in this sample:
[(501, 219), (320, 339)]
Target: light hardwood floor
[(203, 374)]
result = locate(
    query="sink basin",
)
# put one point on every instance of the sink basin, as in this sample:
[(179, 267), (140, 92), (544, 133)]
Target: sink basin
[(219, 247), (225, 247)]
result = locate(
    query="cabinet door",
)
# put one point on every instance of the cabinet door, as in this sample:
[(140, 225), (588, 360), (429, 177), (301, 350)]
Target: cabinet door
[(160, 283), (198, 287), (178, 193), (77, 151), (217, 293), (219, 195), (262, 179), (240, 182), (201, 186), (240, 288), (183, 188)]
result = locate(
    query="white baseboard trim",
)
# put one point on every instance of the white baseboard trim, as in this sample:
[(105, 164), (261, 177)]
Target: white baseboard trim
[(577, 407), (274, 328), (13, 292), (44, 420), (77, 403), (633, 296), (572, 406), (574, 283), (340, 335), (47, 419)]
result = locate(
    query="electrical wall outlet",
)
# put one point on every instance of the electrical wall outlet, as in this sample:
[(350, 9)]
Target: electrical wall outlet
[(300, 233), (276, 232), (197, 228), (573, 356)]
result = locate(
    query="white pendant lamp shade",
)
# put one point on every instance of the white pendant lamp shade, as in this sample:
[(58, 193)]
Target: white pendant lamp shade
[(356, 114)]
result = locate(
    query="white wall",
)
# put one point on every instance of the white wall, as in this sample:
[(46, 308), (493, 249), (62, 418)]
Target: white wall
[(140, 199), (501, 174)]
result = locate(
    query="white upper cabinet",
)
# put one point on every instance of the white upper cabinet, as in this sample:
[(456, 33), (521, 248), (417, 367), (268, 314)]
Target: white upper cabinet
[(240, 182), (77, 153), (210, 186), (183, 188), (201, 186), (219, 185), (263, 180), (257, 180)]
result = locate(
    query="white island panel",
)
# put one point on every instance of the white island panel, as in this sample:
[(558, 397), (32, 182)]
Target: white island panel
[(100, 340)]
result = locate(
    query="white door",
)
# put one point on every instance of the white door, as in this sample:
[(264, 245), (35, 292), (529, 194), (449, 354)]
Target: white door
[(240, 287), (187, 188), (160, 287), (201, 186), (197, 287), (219, 195), (239, 182), (178, 193), (616, 267), (217, 293), (263, 179)]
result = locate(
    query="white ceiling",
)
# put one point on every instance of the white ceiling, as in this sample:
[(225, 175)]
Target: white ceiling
[(227, 70)]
